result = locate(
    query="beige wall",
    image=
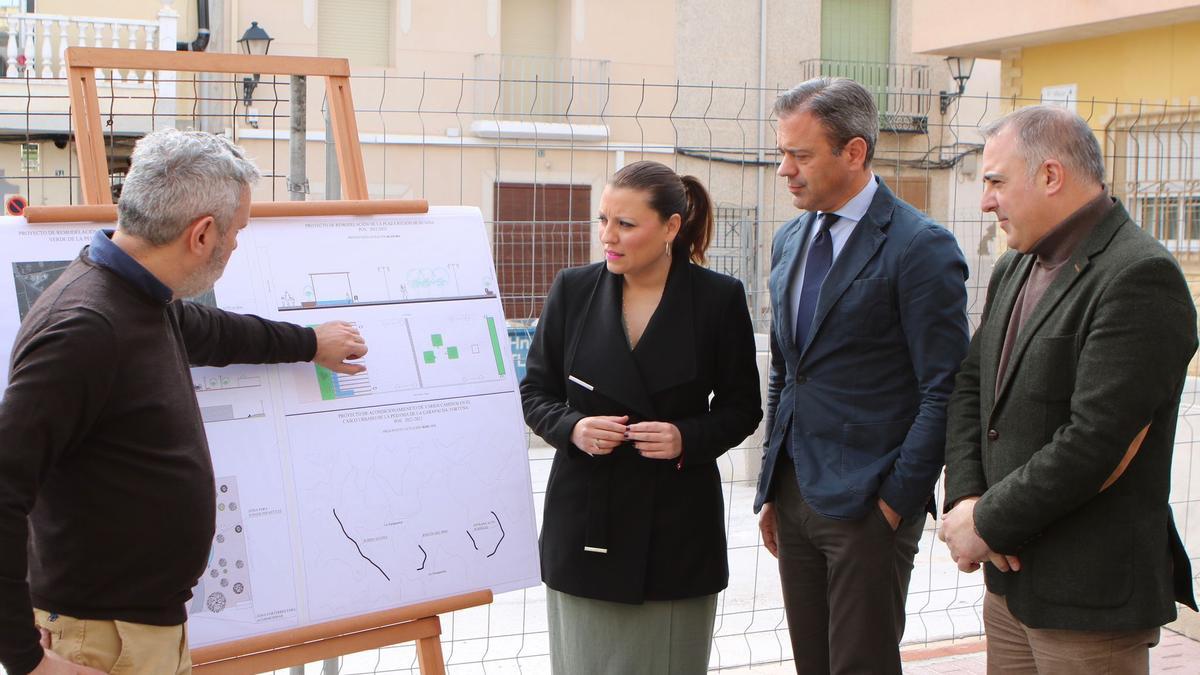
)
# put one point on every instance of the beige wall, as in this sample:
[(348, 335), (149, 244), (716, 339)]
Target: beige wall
[(43, 187), (294, 31), (696, 42), (636, 36), (968, 28), (443, 39), (447, 32), (145, 10), (141, 10), (706, 29)]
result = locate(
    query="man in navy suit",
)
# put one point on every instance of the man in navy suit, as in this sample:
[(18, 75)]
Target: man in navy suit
[(869, 326)]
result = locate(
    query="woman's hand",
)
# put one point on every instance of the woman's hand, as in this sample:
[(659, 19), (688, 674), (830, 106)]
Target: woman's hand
[(656, 440), (599, 435)]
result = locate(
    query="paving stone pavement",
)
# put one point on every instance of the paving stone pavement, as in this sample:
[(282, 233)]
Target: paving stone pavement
[(1175, 653)]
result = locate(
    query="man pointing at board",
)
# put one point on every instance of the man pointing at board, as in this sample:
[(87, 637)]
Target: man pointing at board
[(107, 500)]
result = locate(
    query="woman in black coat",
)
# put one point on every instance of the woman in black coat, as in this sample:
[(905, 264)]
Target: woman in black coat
[(641, 374)]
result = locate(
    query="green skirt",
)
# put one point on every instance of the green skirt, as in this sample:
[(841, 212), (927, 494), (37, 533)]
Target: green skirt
[(597, 637)]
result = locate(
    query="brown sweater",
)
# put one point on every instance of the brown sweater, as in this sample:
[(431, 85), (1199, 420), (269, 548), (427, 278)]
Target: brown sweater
[(105, 473), (1052, 251)]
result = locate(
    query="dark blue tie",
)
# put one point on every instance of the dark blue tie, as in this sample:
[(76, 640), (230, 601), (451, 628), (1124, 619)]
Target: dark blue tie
[(820, 259)]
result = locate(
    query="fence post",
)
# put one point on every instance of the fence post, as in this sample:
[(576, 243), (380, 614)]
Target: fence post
[(297, 183), (333, 177)]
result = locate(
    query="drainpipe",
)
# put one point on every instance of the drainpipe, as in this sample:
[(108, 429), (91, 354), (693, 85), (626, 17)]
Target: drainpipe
[(761, 141), (201, 42)]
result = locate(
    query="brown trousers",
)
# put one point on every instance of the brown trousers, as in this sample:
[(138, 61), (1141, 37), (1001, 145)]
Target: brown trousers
[(1013, 647), (844, 583), (118, 647)]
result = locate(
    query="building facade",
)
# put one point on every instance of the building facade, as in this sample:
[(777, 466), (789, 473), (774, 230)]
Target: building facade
[(520, 107), (1131, 69)]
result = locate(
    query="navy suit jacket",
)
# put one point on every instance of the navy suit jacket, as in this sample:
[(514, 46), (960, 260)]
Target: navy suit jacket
[(862, 404)]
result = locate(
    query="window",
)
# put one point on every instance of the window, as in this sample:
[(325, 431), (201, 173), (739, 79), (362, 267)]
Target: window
[(1173, 220), (529, 58), (731, 250), (856, 43), (540, 228), (1152, 165), (1191, 217), (856, 31), (359, 30), (529, 28)]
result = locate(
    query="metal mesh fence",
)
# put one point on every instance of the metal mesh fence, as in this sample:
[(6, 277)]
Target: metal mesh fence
[(532, 144)]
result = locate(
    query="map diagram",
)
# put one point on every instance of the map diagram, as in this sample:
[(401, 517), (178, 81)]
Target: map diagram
[(374, 493), (226, 581), (337, 494)]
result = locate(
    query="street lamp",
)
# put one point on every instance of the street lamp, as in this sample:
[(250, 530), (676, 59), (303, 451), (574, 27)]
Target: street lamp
[(256, 42), (960, 69)]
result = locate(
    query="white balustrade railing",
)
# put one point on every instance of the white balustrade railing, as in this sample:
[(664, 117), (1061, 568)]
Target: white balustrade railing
[(35, 44)]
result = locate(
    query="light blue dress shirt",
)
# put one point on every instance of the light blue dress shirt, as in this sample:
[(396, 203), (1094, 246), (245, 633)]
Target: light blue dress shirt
[(848, 216)]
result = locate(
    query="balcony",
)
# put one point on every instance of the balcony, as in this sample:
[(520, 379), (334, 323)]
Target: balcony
[(34, 44), (33, 73), (902, 91), (540, 97)]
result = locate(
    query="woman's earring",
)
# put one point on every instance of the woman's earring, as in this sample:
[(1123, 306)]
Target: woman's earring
[(668, 249)]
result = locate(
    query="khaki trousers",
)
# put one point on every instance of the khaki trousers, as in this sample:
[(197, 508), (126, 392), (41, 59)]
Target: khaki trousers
[(118, 647), (1013, 647)]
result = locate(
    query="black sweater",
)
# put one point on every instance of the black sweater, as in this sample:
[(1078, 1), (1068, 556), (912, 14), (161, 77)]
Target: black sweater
[(105, 474)]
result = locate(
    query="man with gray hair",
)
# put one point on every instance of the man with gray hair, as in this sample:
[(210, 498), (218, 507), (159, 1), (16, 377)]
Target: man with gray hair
[(869, 324), (107, 498), (1062, 423)]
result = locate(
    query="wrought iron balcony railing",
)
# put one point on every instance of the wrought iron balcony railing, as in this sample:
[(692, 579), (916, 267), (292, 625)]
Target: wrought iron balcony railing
[(902, 91)]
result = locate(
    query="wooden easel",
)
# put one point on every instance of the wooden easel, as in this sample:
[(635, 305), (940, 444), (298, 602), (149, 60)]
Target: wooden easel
[(320, 641), (86, 115)]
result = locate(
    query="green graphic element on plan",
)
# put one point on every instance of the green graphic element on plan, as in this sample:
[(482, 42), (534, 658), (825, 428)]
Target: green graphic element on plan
[(440, 351), (326, 383), (430, 355), (496, 345)]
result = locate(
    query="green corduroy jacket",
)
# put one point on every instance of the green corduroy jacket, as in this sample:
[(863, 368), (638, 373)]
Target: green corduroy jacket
[(1104, 354)]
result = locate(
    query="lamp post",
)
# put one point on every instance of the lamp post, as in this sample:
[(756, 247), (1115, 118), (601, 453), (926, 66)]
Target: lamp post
[(960, 69), (254, 42)]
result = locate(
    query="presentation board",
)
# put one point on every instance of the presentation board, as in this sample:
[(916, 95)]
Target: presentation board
[(339, 495)]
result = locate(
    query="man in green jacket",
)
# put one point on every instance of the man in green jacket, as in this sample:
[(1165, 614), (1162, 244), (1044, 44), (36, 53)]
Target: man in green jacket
[(1062, 423)]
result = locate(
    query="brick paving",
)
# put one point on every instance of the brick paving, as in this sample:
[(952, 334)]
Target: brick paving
[(1175, 653)]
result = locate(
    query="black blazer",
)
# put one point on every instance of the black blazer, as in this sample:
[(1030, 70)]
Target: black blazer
[(654, 529), (1104, 353)]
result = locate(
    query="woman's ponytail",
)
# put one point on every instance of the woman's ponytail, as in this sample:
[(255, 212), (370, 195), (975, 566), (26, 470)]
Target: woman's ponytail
[(695, 233)]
